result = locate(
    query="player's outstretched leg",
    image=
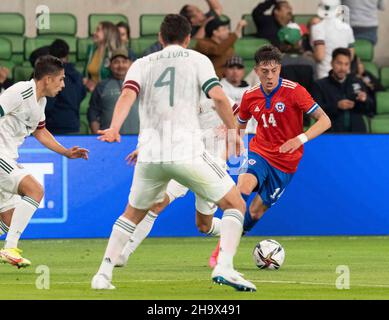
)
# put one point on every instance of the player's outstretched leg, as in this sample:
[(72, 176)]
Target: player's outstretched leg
[(122, 231), (230, 233), (32, 193)]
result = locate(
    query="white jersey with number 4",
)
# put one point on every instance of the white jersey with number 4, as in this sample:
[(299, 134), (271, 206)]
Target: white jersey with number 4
[(169, 84), (20, 115)]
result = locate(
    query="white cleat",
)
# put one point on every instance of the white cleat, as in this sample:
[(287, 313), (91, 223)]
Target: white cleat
[(101, 282), (232, 278), (121, 261)]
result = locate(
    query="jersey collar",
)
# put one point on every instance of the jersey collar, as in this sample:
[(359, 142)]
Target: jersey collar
[(271, 94)]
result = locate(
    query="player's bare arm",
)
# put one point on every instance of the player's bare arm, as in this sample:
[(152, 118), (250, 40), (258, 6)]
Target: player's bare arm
[(132, 158), (223, 109), (323, 123), (122, 109), (47, 139)]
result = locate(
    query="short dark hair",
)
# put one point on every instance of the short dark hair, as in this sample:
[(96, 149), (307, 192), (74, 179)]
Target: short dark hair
[(268, 54), (59, 49), (47, 65), (175, 28), (341, 52), (126, 26), (185, 12)]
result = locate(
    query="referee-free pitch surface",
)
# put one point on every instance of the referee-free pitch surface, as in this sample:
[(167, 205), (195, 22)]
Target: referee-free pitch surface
[(177, 268)]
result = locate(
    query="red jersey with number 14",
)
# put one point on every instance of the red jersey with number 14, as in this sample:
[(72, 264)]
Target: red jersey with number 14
[(280, 118)]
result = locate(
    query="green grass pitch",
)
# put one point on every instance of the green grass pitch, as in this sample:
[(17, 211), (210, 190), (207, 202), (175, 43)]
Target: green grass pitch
[(176, 268)]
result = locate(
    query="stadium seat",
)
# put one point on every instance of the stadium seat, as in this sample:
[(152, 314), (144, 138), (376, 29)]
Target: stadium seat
[(22, 73), (303, 18), (60, 24), (364, 49), (95, 18), (382, 103), (250, 30), (82, 49), (12, 27), (6, 55), (139, 45), (246, 47), (372, 67), (385, 77), (379, 124), (150, 24)]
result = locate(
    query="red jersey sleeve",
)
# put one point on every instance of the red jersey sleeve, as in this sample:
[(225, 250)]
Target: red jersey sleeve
[(244, 113), (304, 100)]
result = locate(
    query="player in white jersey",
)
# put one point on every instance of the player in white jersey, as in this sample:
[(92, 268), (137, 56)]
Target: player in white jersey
[(169, 85), (22, 109), (215, 143)]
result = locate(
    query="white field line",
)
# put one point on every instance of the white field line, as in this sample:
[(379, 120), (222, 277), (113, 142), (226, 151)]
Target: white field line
[(364, 285)]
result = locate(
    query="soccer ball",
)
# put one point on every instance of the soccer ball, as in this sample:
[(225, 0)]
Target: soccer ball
[(268, 254)]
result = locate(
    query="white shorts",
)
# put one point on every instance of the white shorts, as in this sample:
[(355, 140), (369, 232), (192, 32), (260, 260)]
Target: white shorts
[(11, 174), (203, 175)]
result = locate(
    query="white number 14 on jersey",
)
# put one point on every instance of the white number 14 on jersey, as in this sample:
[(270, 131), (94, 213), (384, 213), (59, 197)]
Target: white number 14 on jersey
[(271, 120)]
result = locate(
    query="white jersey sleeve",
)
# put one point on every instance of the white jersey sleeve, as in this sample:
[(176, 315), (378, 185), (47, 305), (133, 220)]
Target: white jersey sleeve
[(207, 75), (318, 34), (133, 78), (11, 99)]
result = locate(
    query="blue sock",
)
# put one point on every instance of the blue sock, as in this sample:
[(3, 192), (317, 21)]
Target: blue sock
[(249, 223)]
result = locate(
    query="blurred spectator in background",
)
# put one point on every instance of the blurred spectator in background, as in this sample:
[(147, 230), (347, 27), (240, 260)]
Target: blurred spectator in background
[(218, 44), (371, 82), (106, 39), (269, 25), (296, 66), (199, 19), (63, 111), (329, 34), (307, 36), (364, 18), (343, 96), (42, 51), (106, 94), (125, 38), (234, 86), (5, 83)]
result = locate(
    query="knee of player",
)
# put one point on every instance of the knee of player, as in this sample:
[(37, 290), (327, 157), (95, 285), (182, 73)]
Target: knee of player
[(38, 193)]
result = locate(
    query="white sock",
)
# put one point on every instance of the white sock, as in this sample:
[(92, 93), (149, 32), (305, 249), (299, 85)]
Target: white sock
[(141, 232), (3, 228), (215, 228), (22, 215), (230, 234), (121, 232)]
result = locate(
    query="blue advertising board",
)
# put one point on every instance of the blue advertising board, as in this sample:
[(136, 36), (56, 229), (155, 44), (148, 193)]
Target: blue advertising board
[(339, 189)]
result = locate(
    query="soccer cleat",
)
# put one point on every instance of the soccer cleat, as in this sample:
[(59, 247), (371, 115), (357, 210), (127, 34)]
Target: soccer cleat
[(121, 261), (213, 258), (101, 282), (232, 278), (13, 257)]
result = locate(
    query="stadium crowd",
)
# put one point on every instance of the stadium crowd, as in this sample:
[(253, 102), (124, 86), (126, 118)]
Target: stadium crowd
[(318, 53)]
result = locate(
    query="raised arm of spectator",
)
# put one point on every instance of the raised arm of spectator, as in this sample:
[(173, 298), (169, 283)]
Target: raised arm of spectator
[(215, 6), (261, 8)]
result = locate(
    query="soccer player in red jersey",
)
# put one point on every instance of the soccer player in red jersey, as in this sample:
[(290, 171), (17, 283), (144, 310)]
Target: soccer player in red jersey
[(275, 151)]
